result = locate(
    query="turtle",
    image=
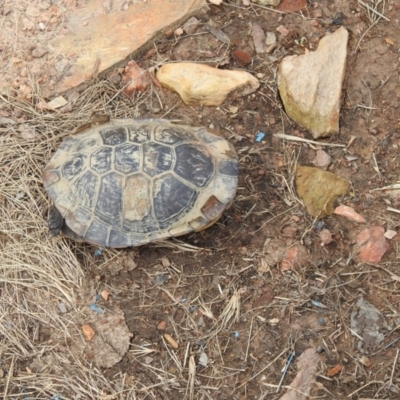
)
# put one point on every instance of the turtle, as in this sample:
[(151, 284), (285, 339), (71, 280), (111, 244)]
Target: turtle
[(129, 182)]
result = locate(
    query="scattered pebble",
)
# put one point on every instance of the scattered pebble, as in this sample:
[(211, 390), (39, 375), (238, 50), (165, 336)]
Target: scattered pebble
[(292, 5), (161, 279), (203, 359), (98, 252), (349, 213), (242, 57), (390, 234), (171, 340), (62, 308), (283, 30), (373, 245), (162, 325), (364, 360), (56, 103), (259, 39), (325, 236), (322, 159), (294, 258), (88, 332), (335, 370), (135, 79), (105, 294), (191, 26)]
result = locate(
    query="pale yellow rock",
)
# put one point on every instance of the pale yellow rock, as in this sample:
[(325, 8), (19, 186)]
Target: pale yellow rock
[(200, 84), (99, 38), (310, 85)]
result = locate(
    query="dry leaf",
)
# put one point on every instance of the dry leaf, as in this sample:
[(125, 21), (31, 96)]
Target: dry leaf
[(389, 41), (88, 332)]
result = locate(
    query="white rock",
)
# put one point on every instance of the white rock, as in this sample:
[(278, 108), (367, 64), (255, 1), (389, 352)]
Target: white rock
[(390, 234), (200, 84), (310, 85)]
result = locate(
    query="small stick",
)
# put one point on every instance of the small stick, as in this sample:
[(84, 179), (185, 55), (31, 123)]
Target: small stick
[(373, 10), (393, 368), (298, 139), (393, 209), (394, 186)]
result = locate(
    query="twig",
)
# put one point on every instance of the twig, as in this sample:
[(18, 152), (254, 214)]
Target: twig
[(373, 10), (298, 139), (393, 209), (394, 367), (261, 371), (362, 387), (394, 186)]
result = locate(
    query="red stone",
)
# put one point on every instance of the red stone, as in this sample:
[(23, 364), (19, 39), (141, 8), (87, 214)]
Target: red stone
[(292, 5), (294, 258), (373, 245), (242, 57)]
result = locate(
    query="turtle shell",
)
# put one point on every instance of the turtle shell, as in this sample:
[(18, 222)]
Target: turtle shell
[(131, 182)]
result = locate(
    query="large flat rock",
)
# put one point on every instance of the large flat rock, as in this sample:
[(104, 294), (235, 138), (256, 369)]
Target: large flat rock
[(102, 36), (310, 85)]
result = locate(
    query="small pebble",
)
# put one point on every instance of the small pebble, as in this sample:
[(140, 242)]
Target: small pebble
[(171, 340), (62, 308), (88, 332)]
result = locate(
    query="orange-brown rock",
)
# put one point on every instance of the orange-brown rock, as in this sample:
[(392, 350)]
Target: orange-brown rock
[(99, 38)]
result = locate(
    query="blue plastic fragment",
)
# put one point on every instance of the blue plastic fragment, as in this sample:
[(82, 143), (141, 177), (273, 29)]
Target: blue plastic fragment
[(96, 308), (183, 300), (237, 334), (57, 397), (260, 136), (192, 308), (98, 252), (98, 297), (321, 321)]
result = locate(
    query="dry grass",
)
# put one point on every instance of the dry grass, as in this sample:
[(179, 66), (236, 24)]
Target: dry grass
[(39, 273)]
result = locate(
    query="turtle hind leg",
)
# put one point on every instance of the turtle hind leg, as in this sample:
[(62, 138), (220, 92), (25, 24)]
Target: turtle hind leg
[(69, 233), (55, 221), (57, 224)]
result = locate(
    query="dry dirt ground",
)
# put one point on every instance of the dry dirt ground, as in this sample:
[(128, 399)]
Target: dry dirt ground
[(219, 293)]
